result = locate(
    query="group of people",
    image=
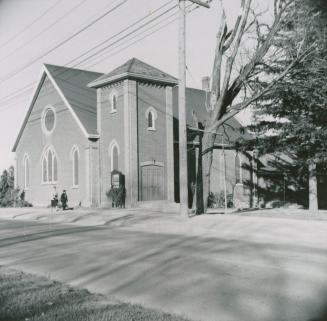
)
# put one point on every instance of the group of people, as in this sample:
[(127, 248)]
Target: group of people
[(63, 200), (117, 195), (119, 200)]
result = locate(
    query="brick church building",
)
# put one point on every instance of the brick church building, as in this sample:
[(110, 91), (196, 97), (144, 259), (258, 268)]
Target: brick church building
[(82, 125)]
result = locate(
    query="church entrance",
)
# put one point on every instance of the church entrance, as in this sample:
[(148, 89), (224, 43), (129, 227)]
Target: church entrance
[(152, 182)]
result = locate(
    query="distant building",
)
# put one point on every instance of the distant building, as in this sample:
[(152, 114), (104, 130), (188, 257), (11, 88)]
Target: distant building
[(82, 125)]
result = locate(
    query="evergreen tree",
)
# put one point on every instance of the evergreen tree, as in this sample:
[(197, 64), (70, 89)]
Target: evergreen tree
[(7, 191), (293, 116), (240, 53)]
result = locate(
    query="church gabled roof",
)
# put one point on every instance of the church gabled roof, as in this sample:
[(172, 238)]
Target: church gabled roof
[(196, 100), (77, 89), (71, 85), (83, 100), (134, 69)]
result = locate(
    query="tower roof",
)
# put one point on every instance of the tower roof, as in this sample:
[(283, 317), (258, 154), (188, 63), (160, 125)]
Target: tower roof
[(137, 70)]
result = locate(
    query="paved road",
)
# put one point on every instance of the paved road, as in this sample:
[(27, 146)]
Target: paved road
[(255, 272)]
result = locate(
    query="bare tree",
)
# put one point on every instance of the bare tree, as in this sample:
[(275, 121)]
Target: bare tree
[(230, 80)]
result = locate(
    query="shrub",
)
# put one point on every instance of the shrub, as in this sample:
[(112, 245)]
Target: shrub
[(10, 196), (217, 200), (213, 200), (14, 198), (117, 196)]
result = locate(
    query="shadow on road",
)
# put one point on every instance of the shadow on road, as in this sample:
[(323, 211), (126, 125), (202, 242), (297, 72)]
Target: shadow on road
[(204, 278), (46, 232), (323, 315)]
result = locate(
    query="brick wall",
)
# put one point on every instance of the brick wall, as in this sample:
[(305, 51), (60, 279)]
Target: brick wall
[(65, 135), (152, 145), (112, 128)]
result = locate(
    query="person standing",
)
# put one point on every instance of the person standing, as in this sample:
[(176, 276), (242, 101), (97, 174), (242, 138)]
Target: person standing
[(55, 199), (64, 200)]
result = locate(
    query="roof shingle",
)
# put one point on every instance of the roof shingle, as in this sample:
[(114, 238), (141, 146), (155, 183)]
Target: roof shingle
[(83, 100), (134, 69)]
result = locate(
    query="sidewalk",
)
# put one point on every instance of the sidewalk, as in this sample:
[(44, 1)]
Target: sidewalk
[(264, 225), (88, 216), (105, 216)]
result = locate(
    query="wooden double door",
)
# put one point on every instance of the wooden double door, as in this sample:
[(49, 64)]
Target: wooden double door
[(152, 183)]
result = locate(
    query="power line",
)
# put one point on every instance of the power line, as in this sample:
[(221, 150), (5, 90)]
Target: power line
[(17, 92), (31, 24), (139, 39), (7, 77), (43, 31), (30, 85), (10, 105), (122, 31), (134, 42), (127, 35)]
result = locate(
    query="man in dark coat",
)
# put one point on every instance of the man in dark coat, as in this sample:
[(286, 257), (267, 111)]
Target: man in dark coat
[(64, 200), (121, 196)]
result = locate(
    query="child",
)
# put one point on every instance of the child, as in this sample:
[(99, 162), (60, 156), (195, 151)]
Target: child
[(55, 200)]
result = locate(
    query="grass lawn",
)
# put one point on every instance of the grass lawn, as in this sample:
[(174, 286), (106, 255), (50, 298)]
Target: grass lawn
[(27, 297)]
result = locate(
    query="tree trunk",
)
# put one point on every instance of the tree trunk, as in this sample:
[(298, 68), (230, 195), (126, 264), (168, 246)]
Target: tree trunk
[(313, 190), (198, 192), (207, 153)]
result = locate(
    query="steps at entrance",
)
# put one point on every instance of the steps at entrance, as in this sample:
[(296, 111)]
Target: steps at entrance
[(160, 206)]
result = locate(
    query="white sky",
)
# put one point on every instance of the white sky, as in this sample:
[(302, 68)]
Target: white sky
[(159, 49)]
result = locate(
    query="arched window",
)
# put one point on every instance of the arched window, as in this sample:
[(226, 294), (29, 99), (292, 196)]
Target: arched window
[(151, 116), (44, 170), (26, 171), (49, 166), (55, 169), (238, 177), (113, 101), (114, 155), (150, 120), (115, 158), (75, 160)]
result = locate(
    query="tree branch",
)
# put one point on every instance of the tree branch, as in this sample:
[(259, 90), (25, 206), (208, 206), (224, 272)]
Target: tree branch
[(234, 32), (219, 107), (233, 110), (216, 72), (237, 84)]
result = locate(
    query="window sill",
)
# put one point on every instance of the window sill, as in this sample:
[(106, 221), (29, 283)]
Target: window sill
[(113, 111), (49, 183), (75, 187), (151, 129)]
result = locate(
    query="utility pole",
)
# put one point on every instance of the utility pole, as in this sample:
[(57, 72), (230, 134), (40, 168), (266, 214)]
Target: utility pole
[(183, 172), (224, 162)]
